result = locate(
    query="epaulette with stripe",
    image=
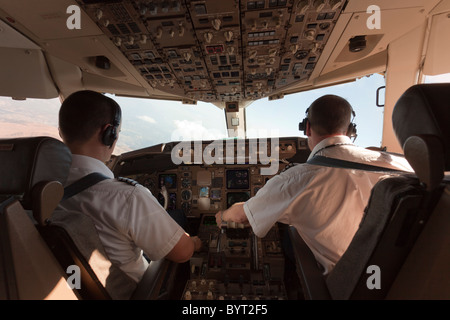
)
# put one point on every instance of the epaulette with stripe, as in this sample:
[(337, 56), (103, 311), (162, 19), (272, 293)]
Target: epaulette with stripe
[(290, 165), (128, 180)]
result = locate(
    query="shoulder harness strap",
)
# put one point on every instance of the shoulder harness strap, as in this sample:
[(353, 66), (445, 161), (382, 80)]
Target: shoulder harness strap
[(82, 184), (338, 163)]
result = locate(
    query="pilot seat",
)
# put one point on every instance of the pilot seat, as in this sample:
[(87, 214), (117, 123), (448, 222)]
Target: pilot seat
[(400, 250), (43, 247)]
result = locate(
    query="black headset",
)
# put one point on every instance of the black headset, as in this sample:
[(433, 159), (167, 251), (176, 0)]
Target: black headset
[(111, 132), (351, 131)]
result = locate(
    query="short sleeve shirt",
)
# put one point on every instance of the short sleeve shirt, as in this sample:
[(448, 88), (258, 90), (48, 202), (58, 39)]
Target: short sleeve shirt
[(128, 218), (324, 204)]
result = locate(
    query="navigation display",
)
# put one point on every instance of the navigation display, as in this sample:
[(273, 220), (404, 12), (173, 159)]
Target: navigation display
[(237, 179), (168, 180), (233, 197)]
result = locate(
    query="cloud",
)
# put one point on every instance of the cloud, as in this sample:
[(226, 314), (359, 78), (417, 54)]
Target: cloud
[(189, 130), (147, 119), (445, 77)]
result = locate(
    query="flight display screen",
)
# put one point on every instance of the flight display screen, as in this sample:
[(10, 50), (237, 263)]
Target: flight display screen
[(168, 180), (233, 197), (237, 179), (204, 192), (216, 194)]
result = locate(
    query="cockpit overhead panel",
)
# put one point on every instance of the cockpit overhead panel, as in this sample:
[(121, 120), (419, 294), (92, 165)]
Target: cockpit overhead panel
[(218, 51)]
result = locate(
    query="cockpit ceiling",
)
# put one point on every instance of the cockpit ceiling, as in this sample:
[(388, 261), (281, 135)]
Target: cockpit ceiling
[(227, 52), (213, 50)]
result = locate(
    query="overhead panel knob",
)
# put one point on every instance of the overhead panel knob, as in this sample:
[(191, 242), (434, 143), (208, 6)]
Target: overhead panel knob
[(159, 32), (117, 41), (187, 56), (181, 31), (228, 35), (98, 14), (309, 34), (208, 36), (216, 23), (293, 48), (273, 52), (318, 5), (335, 4), (302, 6), (143, 10)]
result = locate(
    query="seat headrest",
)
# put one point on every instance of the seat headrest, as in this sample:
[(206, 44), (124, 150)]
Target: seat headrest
[(421, 120), (27, 161)]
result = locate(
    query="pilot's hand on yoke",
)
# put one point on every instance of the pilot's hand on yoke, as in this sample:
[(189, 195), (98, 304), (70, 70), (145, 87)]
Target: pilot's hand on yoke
[(197, 243), (235, 214)]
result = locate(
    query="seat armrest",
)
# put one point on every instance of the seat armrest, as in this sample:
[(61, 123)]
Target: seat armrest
[(311, 277), (152, 280)]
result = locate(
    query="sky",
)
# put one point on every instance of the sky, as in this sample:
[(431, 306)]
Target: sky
[(285, 114), (147, 122)]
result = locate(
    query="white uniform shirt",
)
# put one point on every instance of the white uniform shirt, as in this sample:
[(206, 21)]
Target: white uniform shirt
[(324, 204), (128, 218)]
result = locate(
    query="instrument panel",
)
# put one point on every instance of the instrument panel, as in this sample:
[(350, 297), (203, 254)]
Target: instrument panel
[(233, 263), (198, 190)]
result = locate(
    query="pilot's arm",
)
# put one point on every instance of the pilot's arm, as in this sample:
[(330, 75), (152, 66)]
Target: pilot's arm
[(154, 231), (184, 248), (264, 209)]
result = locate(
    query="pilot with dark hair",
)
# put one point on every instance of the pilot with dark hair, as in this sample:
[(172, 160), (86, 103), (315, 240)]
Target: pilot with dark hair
[(128, 218), (323, 203)]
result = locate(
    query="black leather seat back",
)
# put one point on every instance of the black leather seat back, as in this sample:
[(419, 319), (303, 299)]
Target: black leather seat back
[(391, 224), (27, 161), (34, 171), (399, 207), (27, 265), (423, 110)]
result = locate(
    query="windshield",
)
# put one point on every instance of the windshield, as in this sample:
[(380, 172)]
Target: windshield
[(148, 122)]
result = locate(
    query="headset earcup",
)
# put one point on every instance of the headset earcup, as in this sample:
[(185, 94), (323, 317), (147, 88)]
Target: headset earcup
[(302, 125), (109, 136), (351, 131)]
